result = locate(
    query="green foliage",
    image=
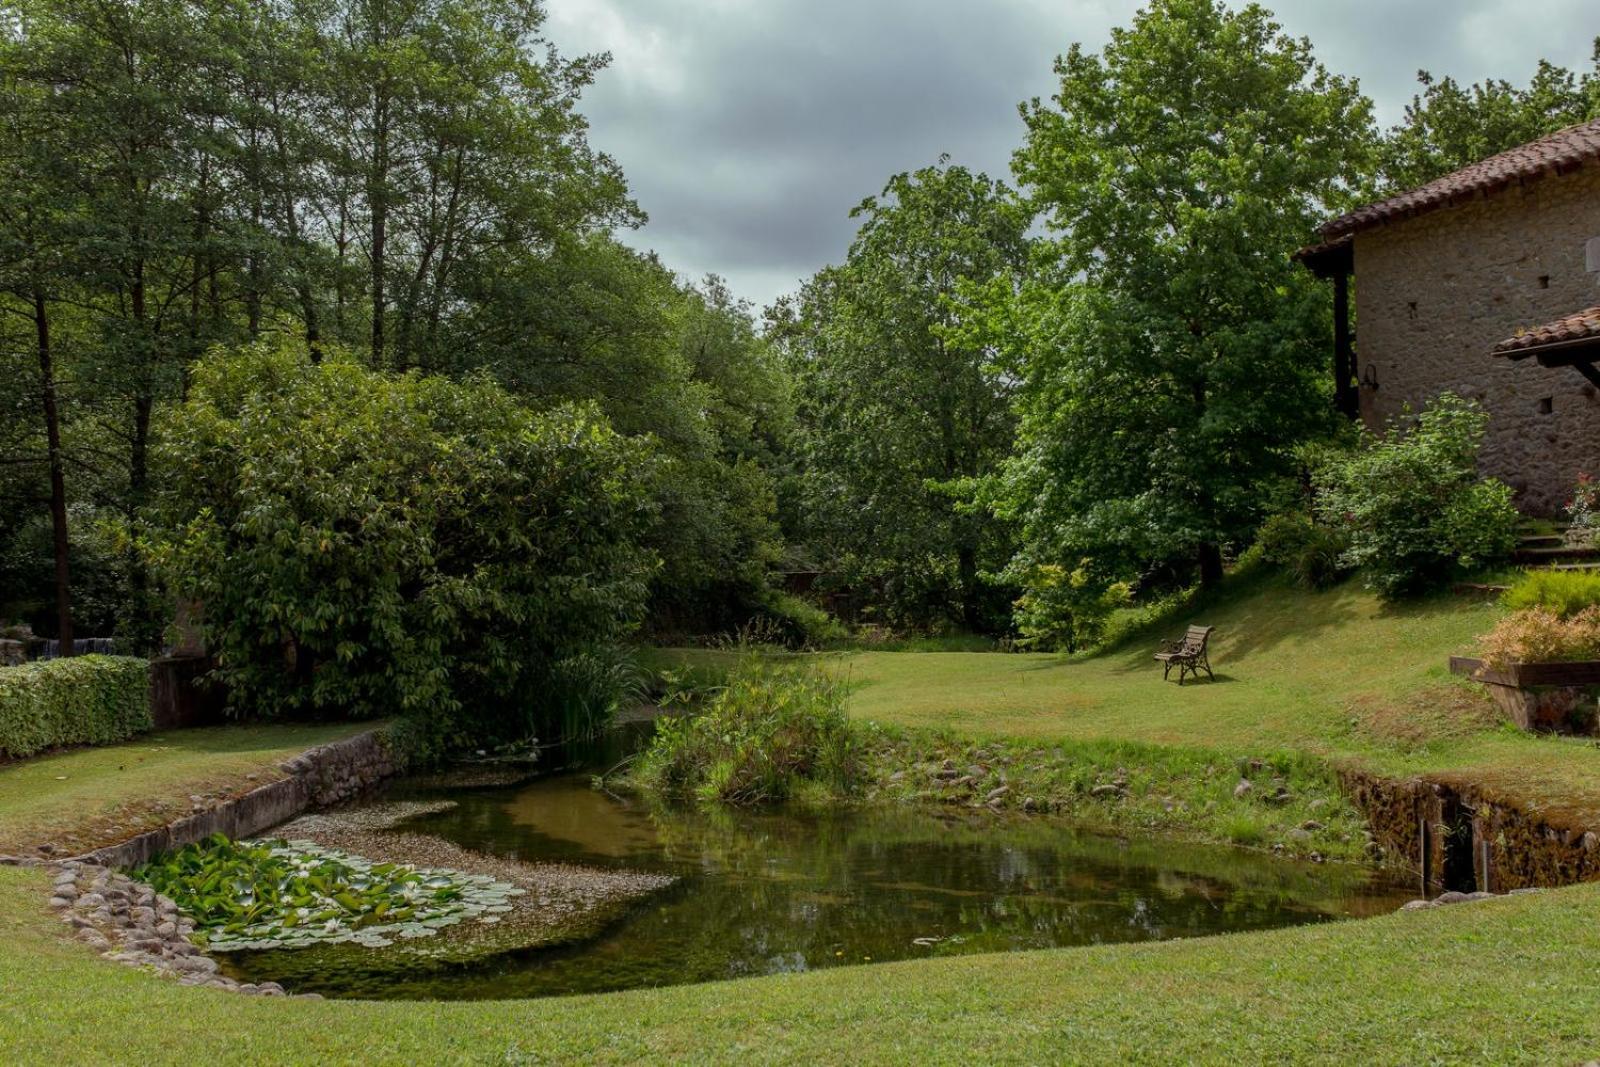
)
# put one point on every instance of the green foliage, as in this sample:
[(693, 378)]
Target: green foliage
[(1566, 593), (78, 700), (796, 622), (367, 544), (900, 409), (409, 182), (775, 730), (1448, 126), (275, 894), (588, 687), (1067, 610), (683, 365), (100, 596), (1169, 351), (1412, 503), (1312, 552)]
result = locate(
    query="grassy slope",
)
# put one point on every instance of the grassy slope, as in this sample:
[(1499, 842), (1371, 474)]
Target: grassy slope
[(95, 796), (1506, 981), (1334, 674), (1502, 982)]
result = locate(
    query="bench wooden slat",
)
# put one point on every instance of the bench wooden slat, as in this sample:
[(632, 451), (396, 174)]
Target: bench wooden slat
[(1188, 655)]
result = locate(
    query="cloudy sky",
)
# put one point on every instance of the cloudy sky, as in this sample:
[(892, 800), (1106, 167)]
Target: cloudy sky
[(749, 128)]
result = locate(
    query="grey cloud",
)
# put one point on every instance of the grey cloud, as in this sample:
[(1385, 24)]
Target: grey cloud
[(748, 130)]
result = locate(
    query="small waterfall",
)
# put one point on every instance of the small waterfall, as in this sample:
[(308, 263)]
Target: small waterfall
[(102, 646)]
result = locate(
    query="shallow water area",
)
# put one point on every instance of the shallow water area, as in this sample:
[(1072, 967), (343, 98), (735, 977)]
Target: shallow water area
[(785, 891)]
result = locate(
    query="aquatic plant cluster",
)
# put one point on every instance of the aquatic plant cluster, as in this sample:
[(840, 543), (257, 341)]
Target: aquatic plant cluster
[(250, 895), (775, 730)]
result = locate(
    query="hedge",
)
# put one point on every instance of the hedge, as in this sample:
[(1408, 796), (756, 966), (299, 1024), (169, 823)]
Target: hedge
[(80, 700)]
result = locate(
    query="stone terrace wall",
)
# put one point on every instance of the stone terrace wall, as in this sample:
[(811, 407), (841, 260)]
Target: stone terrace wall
[(1434, 294), (1497, 846), (329, 774)]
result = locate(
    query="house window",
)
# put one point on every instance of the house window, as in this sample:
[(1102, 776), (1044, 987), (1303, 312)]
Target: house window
[(1413, 307), (1547, 406)]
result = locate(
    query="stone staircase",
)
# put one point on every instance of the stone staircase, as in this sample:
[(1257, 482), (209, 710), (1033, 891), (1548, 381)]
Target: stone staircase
[(1550, 550)]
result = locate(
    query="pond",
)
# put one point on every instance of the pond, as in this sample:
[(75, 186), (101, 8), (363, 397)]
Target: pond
[(766, 893)]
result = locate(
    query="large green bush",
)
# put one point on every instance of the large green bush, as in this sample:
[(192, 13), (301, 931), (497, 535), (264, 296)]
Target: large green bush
[(1066, 610), (81, 700), (369, 544), (1566, 593), (774, 731), (1412, 503), (1311, 552)]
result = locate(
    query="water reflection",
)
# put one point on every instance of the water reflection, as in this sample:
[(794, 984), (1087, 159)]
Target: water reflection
[(792, 891)]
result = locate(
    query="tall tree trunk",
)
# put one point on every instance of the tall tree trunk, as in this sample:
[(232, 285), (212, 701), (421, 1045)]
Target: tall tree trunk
[(198, 266), (341, 250), (143, 394), (58, 480), (378, 194), (967, 569), (144, 622)]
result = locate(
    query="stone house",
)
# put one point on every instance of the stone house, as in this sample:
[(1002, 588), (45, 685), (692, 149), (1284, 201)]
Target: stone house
[(1485, 283)]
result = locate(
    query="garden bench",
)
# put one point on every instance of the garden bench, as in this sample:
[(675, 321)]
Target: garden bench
[(1188, 655)]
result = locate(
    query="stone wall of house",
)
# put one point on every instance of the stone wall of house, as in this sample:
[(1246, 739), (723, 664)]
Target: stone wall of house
[(1435, 293)]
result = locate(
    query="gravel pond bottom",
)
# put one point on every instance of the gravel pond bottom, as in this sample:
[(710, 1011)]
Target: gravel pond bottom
[(625, 893)]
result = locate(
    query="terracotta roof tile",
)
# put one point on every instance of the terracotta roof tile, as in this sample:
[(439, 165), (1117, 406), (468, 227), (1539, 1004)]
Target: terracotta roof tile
[(1584, 326), (1560, 152)]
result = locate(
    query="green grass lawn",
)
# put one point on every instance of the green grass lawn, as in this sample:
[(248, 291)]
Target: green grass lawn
[(1335, 674), (88, 797), (1508, 981)]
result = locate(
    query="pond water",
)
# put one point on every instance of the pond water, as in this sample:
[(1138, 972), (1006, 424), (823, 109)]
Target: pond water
[(788, 891)]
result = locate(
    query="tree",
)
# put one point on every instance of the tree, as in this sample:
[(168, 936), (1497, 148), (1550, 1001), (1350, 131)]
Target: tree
[(900, 411), (1170, 352), (32, 274), (365, 544), (1447, 126), (459, 139), (183, 174)]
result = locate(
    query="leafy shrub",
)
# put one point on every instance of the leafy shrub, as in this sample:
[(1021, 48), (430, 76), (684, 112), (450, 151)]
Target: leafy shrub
[(80, 700), (795, 623), (1066, 610), (254, 895), (1583, 510), (774, 731), (1564, 592), (1412, 503), (1538, 635), (371, 544), (1310, 551)]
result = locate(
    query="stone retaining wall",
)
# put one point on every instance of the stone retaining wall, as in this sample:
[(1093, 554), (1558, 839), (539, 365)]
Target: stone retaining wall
[(1454, 836), (329, 774)]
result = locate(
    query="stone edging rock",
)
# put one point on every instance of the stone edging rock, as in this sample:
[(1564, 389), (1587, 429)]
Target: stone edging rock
[(133, 924), (129, 922), (1454, 897), (320, 777)]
